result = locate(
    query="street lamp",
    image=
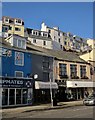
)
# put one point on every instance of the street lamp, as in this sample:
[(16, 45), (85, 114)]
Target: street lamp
[(51, 87)]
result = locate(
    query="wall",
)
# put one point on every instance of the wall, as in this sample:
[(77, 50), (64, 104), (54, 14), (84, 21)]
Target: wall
[(68, 69), (9, 67)]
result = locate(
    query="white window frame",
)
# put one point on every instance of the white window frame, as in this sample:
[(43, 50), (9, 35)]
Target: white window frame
[(22, 59), (19, 72)]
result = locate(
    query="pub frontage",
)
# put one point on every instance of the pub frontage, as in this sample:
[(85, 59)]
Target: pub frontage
[(16, 91)]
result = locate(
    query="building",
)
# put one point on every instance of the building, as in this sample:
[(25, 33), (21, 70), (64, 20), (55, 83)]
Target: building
[(65, 41), (17, 86), (70, 72), (12, 26), (39, 38), (90, 57)]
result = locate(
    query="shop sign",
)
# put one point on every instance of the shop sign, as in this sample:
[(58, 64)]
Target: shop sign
[(16, 83)]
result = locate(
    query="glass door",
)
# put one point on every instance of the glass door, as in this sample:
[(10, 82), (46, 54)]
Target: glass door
[(11, 96), (18, 96), (24, 96)]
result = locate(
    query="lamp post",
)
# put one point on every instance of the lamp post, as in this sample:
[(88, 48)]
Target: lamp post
[(51, 94)]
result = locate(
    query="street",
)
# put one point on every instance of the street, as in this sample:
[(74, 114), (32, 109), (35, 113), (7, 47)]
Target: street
[(70, 112)]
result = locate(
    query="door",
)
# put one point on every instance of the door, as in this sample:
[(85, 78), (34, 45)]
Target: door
[(11, 96)]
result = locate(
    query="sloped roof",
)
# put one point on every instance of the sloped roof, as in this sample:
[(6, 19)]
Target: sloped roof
[(58, 54)]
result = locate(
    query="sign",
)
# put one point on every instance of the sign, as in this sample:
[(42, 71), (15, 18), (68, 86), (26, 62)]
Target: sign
[(18, 83)]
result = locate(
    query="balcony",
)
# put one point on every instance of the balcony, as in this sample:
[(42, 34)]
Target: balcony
[(84, 77), (74, 77), (63, 76)]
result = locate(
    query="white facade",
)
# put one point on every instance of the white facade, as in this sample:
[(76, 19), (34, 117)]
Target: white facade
[(41, 42), (66, 41)]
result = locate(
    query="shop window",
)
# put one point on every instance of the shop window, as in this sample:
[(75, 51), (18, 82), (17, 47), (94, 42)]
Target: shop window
[(5, 97), (18, 96), (24, 96), (19, 58)]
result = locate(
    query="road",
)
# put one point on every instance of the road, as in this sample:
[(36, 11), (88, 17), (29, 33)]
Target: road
[(70, 112)]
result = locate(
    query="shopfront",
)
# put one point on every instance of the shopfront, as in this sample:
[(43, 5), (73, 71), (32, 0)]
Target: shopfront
[(42, 91), (77, 89), (17, 91)]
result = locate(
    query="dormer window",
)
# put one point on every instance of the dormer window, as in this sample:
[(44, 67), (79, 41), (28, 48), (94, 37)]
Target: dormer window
[(19, 43), (6, 20)]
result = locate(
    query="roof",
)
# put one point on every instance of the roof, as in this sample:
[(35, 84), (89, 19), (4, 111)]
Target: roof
[(60, 55), (40, 37)]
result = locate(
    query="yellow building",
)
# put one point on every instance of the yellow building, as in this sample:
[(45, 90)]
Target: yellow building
[(12, 26), (90, 57)]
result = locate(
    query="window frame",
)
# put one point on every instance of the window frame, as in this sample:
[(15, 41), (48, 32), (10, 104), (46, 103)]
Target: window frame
[(19, 72), (22, 59)]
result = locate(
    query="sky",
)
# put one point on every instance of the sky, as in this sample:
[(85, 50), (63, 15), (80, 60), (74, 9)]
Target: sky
[(74, 17)]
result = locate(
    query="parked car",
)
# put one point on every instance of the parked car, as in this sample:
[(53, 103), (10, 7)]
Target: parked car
[(90, 100)]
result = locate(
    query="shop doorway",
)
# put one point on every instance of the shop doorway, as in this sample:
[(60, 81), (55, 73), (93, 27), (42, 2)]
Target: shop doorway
[(11, 96)]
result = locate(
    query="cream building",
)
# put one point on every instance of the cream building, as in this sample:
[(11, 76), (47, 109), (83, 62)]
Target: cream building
[(12, 26), (90, 56)]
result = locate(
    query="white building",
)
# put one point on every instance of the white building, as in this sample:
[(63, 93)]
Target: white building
[(65, 41), (39, 38)]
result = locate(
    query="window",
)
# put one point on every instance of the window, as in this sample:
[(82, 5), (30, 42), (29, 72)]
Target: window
[(73, 70), (15, 42), (17, 29), (10, 28), (18, 74), (19, 58), (18, 21), (34, 40), (65, 43), (61, 46), (58, 33), (45, 76), (62, 69), (19, 43), (59, 40), (82, 71), (7, 20), (45, 58), (44, 43), (5, 29), (45, 64), (49, 31)]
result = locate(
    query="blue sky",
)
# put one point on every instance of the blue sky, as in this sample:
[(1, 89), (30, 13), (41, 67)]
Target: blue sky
[(74, 17)]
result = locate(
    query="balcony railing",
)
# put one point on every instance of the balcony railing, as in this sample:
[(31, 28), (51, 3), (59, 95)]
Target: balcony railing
[(63, 76)]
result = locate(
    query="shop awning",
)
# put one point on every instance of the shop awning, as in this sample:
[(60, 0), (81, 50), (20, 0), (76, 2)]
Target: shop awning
[(75, 84), (45, 85)]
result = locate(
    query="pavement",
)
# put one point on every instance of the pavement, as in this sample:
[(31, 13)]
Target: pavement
[(42, 107)]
